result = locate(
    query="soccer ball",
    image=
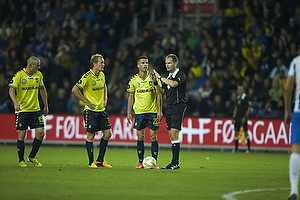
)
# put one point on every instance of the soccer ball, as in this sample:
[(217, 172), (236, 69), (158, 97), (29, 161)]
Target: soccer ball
[(149, 163)]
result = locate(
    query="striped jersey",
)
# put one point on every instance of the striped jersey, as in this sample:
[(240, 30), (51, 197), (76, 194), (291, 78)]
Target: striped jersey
[(294, 71)]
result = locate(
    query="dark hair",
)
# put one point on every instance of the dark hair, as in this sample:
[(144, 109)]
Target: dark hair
[(141, 57)]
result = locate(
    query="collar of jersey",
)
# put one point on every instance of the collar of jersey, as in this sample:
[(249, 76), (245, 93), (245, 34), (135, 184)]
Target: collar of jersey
[(24, 69), (174, 74)]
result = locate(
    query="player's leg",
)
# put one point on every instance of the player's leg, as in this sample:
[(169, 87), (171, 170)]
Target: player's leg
[(174, 136), (21, 147), (103, 144), (245, 126), (294, 163), (237, 126), (153, 125), (89, 145), (105, 126), (36, 121), (140, 147)]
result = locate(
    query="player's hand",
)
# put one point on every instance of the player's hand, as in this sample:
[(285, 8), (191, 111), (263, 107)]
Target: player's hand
[(91, 106), (129, 117), (287, 118), (17, 106), (160, 116), (243, 120), (153, 77), (105, 103), (157, 74)]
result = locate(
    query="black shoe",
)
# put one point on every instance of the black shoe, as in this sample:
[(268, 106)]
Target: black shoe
[(171, 166), (293, 197)]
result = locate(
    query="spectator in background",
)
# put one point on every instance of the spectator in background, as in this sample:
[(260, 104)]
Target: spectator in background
[(218, 107), (192, 40), (73, 106), (201, 106), (60, 103), (279, 67)]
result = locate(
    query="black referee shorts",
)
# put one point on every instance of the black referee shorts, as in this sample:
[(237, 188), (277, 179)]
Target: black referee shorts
[(96, 121), (175, 115), (238, 124)]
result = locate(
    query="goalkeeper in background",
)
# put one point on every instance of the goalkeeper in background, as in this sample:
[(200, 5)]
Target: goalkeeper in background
[(94, 95), (23, 91), (147, 106)]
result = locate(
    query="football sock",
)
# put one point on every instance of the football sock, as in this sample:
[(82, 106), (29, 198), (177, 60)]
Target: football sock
[(35, 147), (20, 148), (90, 151), (102, 150), (236, 143), (175, 152), (248, 143), (154, 149), (140, 150), (294, 167)]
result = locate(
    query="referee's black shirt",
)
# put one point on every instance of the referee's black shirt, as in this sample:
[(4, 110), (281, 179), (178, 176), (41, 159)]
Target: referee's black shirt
[(176, 95), (242, 104)]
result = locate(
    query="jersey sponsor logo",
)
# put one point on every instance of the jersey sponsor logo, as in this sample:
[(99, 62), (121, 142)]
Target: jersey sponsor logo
[(24, 81), (144, 91), (99, 88), (30, 88), (137, 84), (94, 83)]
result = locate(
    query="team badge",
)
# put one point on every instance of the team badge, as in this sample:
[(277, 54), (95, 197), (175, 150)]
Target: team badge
[(150, 83), (94, 83), (24, 81), (137, 84), (36, 80), (80, 81)]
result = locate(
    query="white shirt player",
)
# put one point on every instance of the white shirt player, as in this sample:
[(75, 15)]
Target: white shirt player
[(294, 71)]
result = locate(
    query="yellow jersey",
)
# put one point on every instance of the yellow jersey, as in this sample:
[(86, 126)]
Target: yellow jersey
[(93, 89), (27, 90), (144, 94)]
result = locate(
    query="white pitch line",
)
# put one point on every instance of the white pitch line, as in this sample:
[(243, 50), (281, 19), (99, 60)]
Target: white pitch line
[(229, 196)]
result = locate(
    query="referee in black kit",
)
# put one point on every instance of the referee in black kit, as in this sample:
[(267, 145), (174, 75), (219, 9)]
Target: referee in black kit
[(241, 112), (174, 86)]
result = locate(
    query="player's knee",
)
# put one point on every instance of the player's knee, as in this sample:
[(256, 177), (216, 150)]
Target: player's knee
[(107, 135), (153, 137), (141, 137), (40, 135)]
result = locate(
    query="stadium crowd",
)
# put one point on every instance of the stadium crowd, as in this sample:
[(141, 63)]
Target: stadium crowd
[(248, 42)]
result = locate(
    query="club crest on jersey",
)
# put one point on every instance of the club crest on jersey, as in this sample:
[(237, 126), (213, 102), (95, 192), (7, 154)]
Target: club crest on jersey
[(137, 84), (36, 80), (150, 83), (94, 83), (24, 81)]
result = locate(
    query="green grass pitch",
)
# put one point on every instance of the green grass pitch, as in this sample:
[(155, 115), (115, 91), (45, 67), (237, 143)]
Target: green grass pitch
[(207, 175)]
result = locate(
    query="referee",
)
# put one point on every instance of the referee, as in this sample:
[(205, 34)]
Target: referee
[(241, 112), (174, 86)]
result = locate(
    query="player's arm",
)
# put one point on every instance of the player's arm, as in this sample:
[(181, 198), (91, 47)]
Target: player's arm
[(12, 94), (289, 85), (234, 114), (79, 96), (105, 96), (129, 106), (159, 106), (154, 77), (165, 80), (44, 95)]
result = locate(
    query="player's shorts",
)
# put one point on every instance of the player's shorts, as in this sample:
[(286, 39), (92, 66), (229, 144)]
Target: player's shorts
[(96, 121), (295, 129), (31, 119), (175, 115), (238, 124), (149, 120)]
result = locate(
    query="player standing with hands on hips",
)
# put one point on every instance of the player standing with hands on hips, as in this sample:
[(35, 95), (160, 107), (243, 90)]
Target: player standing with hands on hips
[(174, 86), (23, 91), (94, 95), (147, 106), (294, 163)]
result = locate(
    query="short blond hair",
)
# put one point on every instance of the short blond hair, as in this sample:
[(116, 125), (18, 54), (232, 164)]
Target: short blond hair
[(94, 58), (33, 60), (173, 57)]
